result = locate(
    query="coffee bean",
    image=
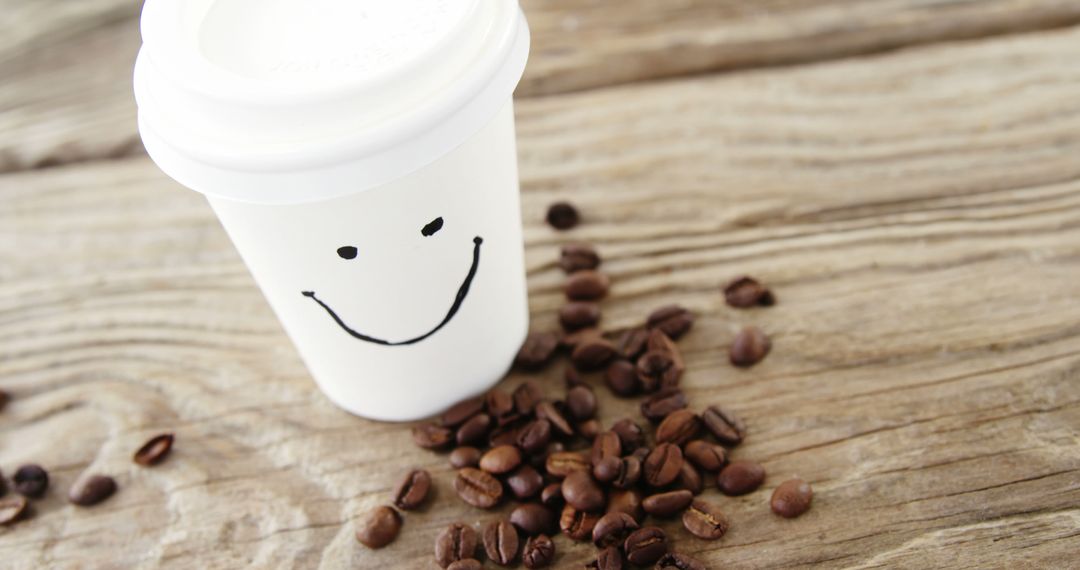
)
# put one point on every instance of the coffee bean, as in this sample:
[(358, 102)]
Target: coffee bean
[(581, 402), (606, 444), (379, 528), (679, 427), (456, 542), (582, 492), (579, 314), (525, 482), (704, 520), (571, 340), (578, 256), (559, 424), (577, 524), (724, 425), (589, 429), (645, 546), (551, 496), (641, 453), (478, 488), (661, 342), (626, 501), (31, 480), (609, 558), (629, 473), (745, 291), (534, 437), (740, 478), (562, 215), (464, 457), (592, 353), (431, 436), (612, 529), (708, 456), (12, 509), (621, 378), (573, 378), (657, 369), (792, 498), (536, 350), (526, 396), (667, 504), (501, 459), (467, 564), (462, 411), (675, 561), (539, 551), (690, 479), (412, 489), (499, 405), (607, 469), (533, 519), (749, 347), (563, 463), (507, 434), (500, 542), (662, 465), (673, 320), (631, 436), (658, 406), (631, 343), (474, 430), (586, 285), (154, 451)]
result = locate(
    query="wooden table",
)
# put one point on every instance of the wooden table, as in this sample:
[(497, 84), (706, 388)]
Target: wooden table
[(905, 174)]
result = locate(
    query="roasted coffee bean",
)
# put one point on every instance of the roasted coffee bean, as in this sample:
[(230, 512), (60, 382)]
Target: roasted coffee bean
[(657, 369), (745, 291), (507, 434), (379, 528), (708, 456), (462, 411), (724, 425), (474, 430), (562, 215), (749, 347), (629, 473), (631, 343), (526, 396), (581, 402), (582, 492), (431, 436), (641, 453), (562, 463), (586, 285), (672, 319), (679, 427), (31, 480), (577, 524), (537, 350), (621, 378), (525, 482), (579, 314), (792, 498), (539, 551), (534, 437), (626, 501), (559, 424), (571, 340), (412, 490), (478, 488), (658, 406), (645, 546), (592, 353), (658, 341), (500, 406), (588, 429), (12, 509), (690, 479), (464, 457), (573, 378), (612, 529), (667, 504), (551, 496), (533, 519), (609, 558), (630, 434), (467, 564), (740, 478), (501, 459), (607, 469), (606, 444), (456, 542), (704, 520), (662, 465), (500, 540), (675, 561), (154, 451), (578, 256)]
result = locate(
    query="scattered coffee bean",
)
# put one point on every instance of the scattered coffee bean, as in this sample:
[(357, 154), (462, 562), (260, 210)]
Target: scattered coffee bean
[(573, 378), (507, 434), (746, 291), (667, 504), (539, 552), (581, 491), (629, 473), (740, 478), (464, 457), (31, 480), (792, 498), (474, 430), (607, 469), (630, 434), (456, 542), (534, 437), (501, 459), (626, 501), (606, 444), (658, 406), (592, 353), (724, 425), (672, 319), (379, 528), (581, 402), (621, 378), (690, 479), (533, 519), (612, 529), (551, 496), (562, 215), (657, 369), (578, 256), (431, 436), (12, 509), (559, 424), (679, 427), (526, 396), (577, 524), (708, 456), (641, 453), (661, 342), (631, 343), (645, 546), (579, 314), (467, 564), (704, 520), (749, 347), (525, 482), (661, 467), (459, 413), (500, 540), (92, 490), (609, 558), (412, 490), (562, 463), (675, 561), (586, 285), (478, 488), (571, 340), (154, 451), (588, 429), (500, 406)]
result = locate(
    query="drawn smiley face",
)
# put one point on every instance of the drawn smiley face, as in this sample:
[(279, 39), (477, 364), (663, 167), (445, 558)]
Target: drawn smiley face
[(349, 252)]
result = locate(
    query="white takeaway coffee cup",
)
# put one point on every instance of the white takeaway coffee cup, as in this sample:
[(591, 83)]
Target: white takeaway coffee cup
[(361, 156)]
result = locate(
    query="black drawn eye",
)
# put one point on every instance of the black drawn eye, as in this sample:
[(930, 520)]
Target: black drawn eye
[(347, 252), (432, 227)]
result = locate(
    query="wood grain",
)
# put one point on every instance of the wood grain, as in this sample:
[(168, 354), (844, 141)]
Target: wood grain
[(67, 92)]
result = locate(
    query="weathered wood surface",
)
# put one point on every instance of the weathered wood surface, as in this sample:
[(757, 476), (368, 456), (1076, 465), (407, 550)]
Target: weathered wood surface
[(918, 215), (66, 66)]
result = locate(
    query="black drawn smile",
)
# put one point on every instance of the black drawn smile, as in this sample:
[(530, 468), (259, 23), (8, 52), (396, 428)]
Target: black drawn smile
[(458, 300)]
